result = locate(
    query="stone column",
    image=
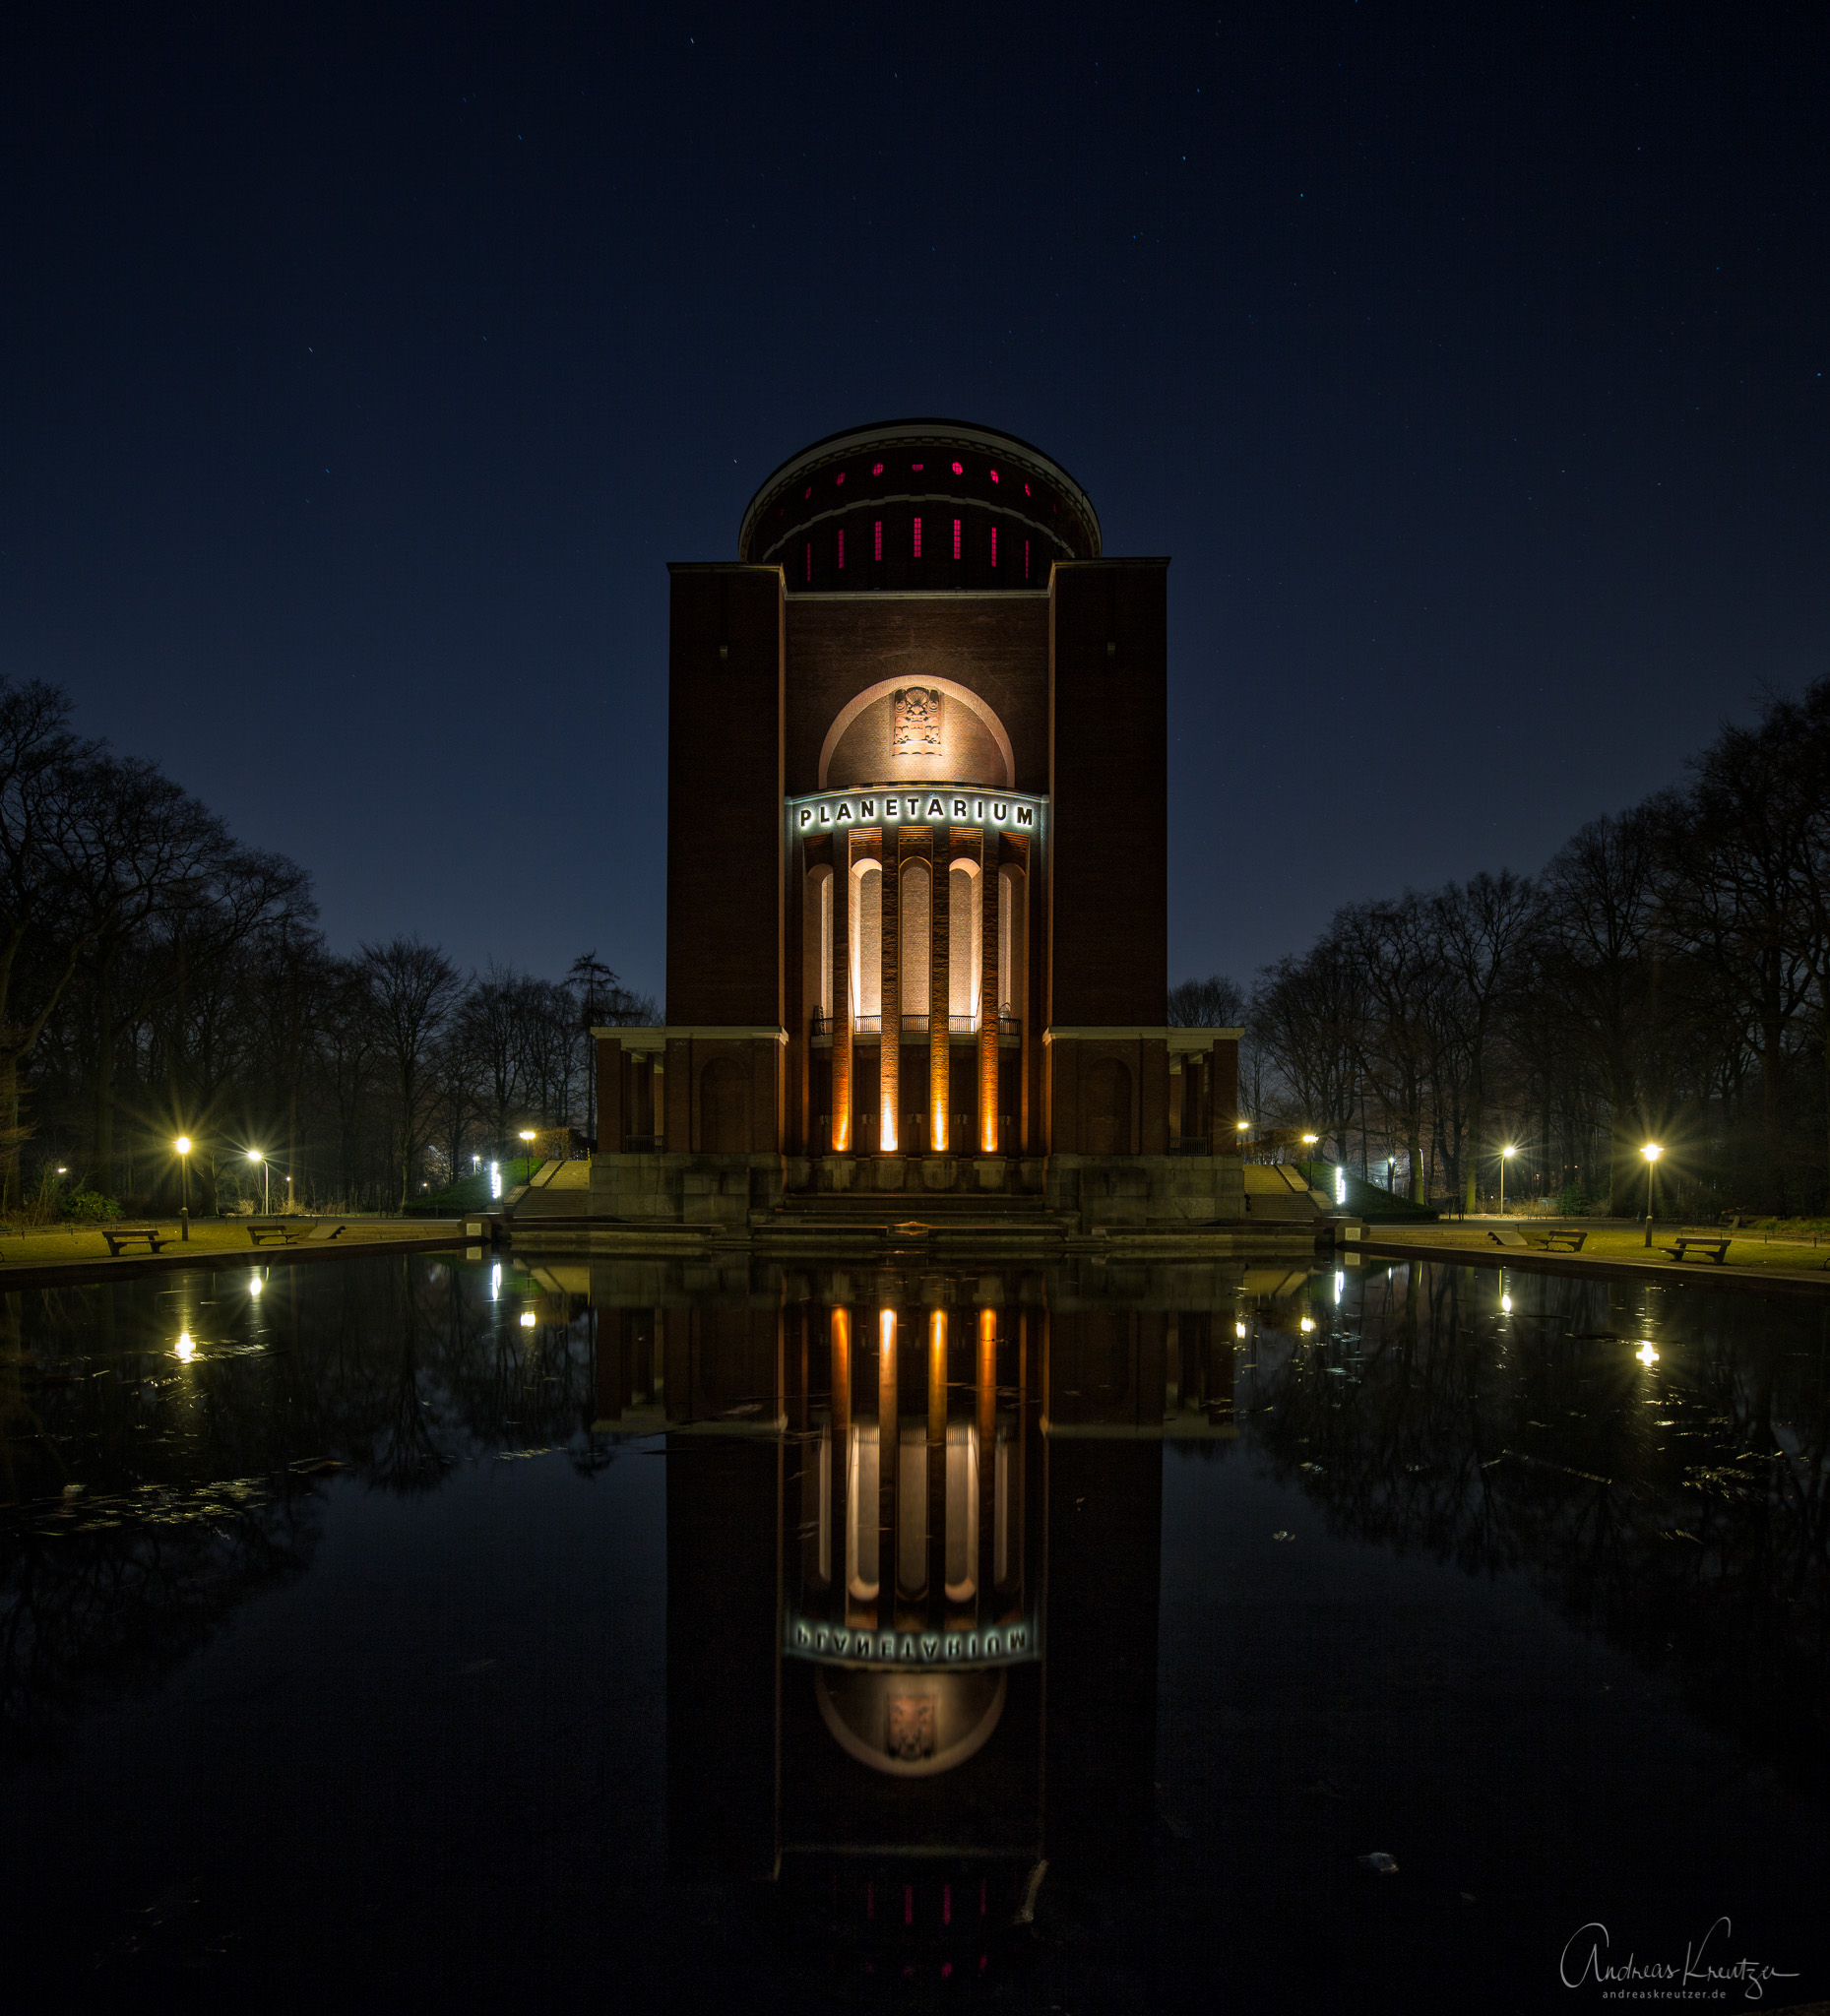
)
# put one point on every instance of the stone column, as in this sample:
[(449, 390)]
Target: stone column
[(841, 1124), (889, 1468), (989, 982), (938, 1510), (985, 1395), (839, 1475), (612, 1121), (890, 994), (940, 998)]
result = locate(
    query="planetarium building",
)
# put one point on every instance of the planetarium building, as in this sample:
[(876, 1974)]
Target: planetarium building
[(917, 864)]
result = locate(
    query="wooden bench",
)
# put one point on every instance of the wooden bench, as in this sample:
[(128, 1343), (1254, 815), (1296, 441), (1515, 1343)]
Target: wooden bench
[(1508, 1238), (280, 1234), (1568, 1242), (1680, 1249), (118, 1236)]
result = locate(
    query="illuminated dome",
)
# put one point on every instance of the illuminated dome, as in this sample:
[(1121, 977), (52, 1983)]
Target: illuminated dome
[(919, 504)]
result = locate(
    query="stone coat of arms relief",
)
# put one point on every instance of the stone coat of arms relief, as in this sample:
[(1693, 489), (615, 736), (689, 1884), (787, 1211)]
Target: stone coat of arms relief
[(915, 721)]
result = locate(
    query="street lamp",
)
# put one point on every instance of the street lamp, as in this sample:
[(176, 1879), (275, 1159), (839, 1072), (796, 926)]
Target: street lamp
[(1651, 1151), (267, 1195), (184, 1146), (1505, 1156)]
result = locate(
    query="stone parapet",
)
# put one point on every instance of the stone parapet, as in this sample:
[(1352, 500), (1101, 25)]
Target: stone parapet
[(685, 1189)]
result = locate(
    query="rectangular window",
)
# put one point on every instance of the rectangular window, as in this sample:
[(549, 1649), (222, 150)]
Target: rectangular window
[(994, 545), (956, 539), (876, 541), (841, 550), (918, 541)]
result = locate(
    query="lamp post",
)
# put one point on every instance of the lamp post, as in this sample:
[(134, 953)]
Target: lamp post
[(526, 1134), (184, 1146), (1651, 1151), (1505, 1156), (267, 1195)]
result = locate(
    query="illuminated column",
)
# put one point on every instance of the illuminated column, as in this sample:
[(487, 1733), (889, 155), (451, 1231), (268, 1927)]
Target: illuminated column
[(938, 1509), (994, 1506), (989, 984), (889, 1466), (890, 996), (939, 998), (842, 995), (839, 1482)]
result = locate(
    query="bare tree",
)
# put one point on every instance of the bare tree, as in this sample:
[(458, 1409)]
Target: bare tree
[(413, 987)]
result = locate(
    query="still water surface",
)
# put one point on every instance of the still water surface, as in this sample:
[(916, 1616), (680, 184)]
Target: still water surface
[(659, 1635)]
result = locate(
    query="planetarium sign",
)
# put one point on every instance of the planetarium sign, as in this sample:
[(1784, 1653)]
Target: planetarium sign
[(926, 805)]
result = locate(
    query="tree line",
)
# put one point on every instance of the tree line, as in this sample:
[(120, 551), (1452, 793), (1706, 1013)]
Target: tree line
[(1665, 978), (159, 978)]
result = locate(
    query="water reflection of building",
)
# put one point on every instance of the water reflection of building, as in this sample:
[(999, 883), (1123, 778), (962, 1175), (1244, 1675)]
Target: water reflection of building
[(914, 1523)]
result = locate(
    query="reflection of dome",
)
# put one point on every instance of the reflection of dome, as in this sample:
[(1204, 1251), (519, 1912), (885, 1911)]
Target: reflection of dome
[(909, 1725)]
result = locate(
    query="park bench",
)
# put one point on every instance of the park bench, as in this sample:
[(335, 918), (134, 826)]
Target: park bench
[(1568, 1241), (1680, 1249), (277, 1235), (1508, 1238), (119, 1236)]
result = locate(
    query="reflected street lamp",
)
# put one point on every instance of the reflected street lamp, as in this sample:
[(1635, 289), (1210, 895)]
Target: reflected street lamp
[(267, 1195), (1505, 1156), (184, 1146), (1651, 1151)]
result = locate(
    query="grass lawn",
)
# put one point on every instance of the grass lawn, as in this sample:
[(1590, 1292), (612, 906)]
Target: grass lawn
[(46, 1246), (1777, 1251)]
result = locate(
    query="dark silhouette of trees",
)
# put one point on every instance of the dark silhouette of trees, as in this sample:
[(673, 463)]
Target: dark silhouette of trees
[(1666, 977)]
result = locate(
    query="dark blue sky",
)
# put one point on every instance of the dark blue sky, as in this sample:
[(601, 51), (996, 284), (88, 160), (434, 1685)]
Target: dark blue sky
[(363, 370)]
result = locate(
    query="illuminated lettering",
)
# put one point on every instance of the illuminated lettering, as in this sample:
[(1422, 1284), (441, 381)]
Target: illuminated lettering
[(931, 1644), (906, 1649), (952, 1644), (837, 809), (802, 1636)]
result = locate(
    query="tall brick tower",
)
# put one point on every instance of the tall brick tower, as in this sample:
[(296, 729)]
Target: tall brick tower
[(916, 859)]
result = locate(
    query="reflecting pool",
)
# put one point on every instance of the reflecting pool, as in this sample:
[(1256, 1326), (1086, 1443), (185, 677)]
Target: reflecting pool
[(427, 1632)]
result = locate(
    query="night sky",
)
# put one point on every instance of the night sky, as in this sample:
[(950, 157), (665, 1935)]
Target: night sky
[(362, 371)]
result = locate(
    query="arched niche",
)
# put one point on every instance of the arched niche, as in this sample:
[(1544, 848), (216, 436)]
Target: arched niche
[(910, 1724), (971, 746)]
